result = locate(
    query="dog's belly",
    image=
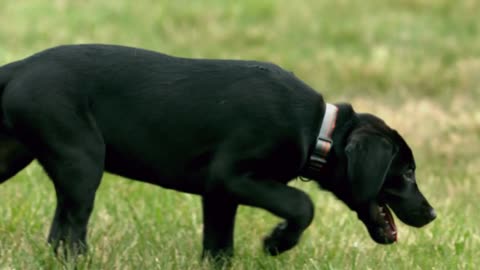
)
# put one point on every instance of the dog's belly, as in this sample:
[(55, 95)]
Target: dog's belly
[(158, 172)]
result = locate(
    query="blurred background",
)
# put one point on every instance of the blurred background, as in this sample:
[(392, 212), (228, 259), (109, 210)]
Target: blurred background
[(415, 63)]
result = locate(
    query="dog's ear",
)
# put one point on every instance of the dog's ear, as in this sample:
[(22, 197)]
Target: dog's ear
[(369, 158)]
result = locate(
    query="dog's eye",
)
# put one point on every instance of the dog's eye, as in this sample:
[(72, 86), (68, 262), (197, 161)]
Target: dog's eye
[(409, 175)]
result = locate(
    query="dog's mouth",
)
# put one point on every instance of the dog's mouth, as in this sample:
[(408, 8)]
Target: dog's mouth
[(380, 224)]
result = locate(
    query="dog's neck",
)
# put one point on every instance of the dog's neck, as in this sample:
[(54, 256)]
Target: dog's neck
[(337, 122), (318, 159), (346, 119)]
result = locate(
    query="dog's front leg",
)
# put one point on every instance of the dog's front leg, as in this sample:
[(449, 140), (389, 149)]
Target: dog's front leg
[(218, 226), (289, 203)]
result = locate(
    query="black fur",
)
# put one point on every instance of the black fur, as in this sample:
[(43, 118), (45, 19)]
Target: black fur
[(234, 132)]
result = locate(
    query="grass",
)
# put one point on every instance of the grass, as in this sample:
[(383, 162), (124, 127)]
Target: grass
[(415, 63)]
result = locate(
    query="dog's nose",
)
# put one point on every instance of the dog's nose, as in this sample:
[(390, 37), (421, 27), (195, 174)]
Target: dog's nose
[(432, 214)]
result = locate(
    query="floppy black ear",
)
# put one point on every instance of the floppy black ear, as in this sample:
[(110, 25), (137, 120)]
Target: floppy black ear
[(369, 158)]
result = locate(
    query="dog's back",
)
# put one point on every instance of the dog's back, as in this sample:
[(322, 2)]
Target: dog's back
[(163, 117)]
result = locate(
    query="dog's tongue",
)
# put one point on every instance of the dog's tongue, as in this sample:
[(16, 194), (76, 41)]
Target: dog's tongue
[(391, 228)]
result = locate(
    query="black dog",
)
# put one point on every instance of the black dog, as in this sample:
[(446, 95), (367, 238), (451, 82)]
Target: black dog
[(234, 132)]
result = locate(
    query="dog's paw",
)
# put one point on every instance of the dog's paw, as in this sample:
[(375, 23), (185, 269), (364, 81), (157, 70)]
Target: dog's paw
[(280, 240)]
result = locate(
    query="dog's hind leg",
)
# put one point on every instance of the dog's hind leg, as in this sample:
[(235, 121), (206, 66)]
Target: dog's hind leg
[(65, 139), (76, 176), (14, 156), (76, 173)]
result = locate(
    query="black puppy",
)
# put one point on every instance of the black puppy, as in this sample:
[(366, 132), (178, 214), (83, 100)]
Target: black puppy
[(234, 132)]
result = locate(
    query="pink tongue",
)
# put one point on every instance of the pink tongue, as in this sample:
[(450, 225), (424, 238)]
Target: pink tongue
[(389, 221)]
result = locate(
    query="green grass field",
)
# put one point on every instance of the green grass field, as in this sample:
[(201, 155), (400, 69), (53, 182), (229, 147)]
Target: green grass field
[(415, 63)]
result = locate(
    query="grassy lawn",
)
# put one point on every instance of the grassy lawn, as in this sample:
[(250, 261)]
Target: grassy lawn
[(415, 63)]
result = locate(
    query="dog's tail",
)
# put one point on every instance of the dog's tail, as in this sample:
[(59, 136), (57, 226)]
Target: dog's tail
[(6, 74)]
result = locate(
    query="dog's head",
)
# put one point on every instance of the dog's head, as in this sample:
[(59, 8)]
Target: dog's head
[(381, 174)]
